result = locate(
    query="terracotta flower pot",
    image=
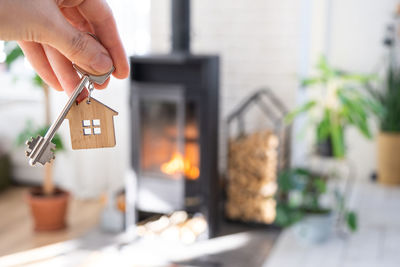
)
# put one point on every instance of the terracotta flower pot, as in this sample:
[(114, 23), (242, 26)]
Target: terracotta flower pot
[(388, 158), (48, 212)]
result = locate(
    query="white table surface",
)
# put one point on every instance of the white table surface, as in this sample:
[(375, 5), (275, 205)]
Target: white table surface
[(375, 244)]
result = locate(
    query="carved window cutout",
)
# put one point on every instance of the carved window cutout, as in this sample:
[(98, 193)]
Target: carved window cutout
[(96, 131), (87, 131), (96, 122), (86, 123)]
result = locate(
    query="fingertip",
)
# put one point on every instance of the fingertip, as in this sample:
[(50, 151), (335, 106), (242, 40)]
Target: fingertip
[(102, 86), (57, 88), (122, 72)]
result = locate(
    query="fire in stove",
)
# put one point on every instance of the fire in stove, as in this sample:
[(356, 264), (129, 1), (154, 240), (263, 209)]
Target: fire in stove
[(179, 165), (186, 164)]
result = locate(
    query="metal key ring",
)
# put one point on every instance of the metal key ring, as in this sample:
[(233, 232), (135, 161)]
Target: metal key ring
[(90, 89)]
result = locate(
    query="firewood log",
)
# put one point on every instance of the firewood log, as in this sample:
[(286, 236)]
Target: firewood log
[(252, 173)]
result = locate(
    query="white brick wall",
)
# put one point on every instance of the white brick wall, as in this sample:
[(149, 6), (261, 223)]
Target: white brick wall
[(257, 41)]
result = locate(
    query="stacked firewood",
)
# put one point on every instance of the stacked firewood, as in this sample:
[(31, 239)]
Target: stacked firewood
[(252, 170), (178, 227)]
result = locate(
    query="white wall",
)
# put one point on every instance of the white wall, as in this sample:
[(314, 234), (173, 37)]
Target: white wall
[(355, 39), (257, 41), (19, 101)]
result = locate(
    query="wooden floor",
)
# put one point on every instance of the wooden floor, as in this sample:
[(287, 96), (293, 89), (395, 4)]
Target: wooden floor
[(240, 245), (16, 228)]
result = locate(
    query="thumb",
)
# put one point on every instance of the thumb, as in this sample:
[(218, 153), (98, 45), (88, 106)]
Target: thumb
[(81, 49)]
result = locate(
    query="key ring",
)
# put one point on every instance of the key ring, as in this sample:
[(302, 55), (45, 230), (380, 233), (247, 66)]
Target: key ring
[(90, 89)]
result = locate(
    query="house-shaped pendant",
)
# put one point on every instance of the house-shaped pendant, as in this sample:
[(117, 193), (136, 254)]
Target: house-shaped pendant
[(91, 125)]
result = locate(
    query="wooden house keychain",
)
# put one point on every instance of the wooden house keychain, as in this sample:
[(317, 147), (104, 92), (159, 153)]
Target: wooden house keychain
[(91, 123)]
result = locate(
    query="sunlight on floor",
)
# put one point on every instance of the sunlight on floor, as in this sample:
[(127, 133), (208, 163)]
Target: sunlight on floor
[(148, 252)]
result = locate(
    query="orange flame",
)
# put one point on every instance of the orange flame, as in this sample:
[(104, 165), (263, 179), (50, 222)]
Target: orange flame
[(178, 164)]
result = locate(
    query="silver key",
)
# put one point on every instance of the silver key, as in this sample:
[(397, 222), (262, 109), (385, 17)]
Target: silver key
[(41, 149)]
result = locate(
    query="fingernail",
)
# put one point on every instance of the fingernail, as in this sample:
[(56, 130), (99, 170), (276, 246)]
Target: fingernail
[(102, 63)]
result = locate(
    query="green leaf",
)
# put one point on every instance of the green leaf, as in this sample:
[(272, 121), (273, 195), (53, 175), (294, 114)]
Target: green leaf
[(312, 81), (31, 130), (320, 185), (390, 121), (326, 71), (323, 127), (302, 171), (38, 81), (285, 181), (355, 108), (375, 107), (375, 94), (323, 66), (304, 108), (286, 216), (337, 136), (359, 78), (352, 221), (13, 55)]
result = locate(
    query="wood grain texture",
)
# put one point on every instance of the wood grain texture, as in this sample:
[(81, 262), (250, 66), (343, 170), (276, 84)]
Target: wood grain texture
[(94, 110)]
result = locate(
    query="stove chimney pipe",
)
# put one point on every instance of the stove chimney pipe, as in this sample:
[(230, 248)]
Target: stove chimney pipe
[(180, 23)]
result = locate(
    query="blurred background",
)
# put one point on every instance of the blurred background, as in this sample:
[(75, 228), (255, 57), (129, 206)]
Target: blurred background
[(262, 134)]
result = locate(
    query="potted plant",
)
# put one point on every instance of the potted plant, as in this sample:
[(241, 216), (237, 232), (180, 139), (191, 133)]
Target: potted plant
[(48, 204), (336, 103), (389, 119), (300, 203)]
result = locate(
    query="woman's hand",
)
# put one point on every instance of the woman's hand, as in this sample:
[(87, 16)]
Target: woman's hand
[(52, 34)]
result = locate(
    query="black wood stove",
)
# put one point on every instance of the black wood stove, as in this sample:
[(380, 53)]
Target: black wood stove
[(174, 107)]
